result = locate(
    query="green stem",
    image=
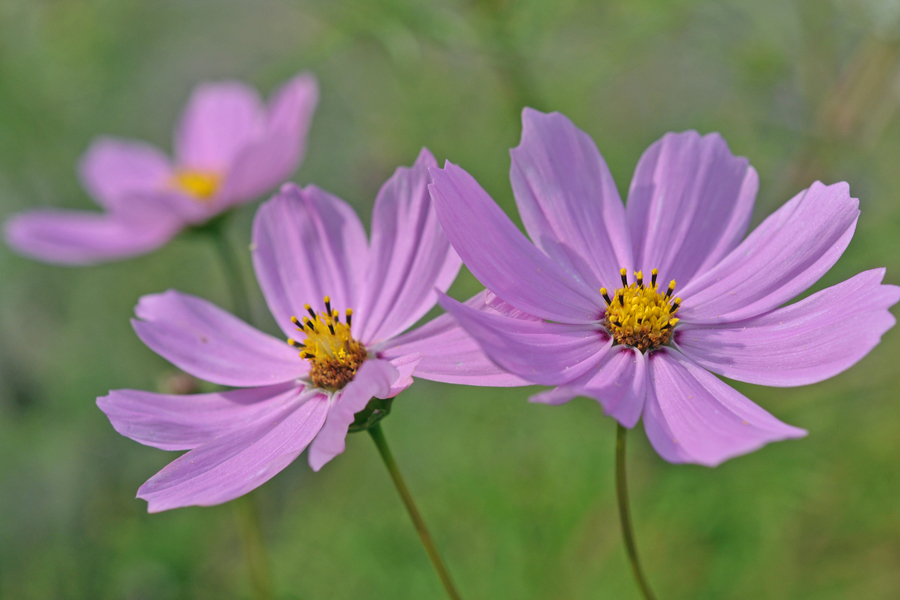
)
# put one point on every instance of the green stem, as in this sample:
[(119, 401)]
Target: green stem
[(232, 271), (625, 514), (418, 522), (250, 527)]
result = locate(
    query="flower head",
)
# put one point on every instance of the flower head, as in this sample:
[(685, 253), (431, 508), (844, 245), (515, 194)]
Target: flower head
[(577, 311), (229, 149), (343, 303)]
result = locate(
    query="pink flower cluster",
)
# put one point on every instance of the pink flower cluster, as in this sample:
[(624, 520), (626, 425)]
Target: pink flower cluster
[(638, 305)]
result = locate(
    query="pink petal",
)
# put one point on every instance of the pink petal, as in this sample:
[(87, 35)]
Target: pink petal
[(692, 417), (410, 256), (568, 200), (291, 111), (539, 352), (803, 343), (175, 422), (112, 169), (689, 204), (496, 303), (373, 379), (781, 258), (502, 258), (234, 464), (175, 204), (259, 167), (308, 244), (85, 238), (618, 383), (269, 160), (212, 344), (448, 354), (219, 120), (406, 366)]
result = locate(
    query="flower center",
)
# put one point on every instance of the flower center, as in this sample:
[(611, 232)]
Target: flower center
[(329, 346), (639, 315), (201, 185)]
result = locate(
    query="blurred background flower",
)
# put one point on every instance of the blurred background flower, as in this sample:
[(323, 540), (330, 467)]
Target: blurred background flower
[(522, 505), (229, 149)]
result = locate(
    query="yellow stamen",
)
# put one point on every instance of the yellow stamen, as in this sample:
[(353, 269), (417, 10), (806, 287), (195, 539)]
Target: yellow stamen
[(639, 315), (330, 347), (200, 185)]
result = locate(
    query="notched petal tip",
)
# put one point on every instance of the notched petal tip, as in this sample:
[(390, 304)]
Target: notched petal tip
[(289, 188), (146, 304), (426, 159), (306, 80), (532, 116), (693, 417)]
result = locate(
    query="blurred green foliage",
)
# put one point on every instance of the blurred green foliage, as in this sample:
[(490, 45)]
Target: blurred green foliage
[(519, 497)]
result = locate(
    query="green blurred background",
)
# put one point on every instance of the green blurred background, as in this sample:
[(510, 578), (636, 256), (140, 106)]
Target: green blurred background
[(520, 497)]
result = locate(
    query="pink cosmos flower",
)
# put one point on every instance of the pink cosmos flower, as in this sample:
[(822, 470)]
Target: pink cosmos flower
[(590, 307), (345, 304), (229, 149)]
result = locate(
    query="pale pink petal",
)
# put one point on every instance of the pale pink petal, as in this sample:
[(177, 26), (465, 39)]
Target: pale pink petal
[(689, 204), (406, 366), (212, 344), (506, 309), (219, 120), (259, 167), (373, 379), (85, 238), (112, 169), (692, 417), (234, 464), (539, 352), (183, 422), (803, 343), (448, 354), (502, 258), (269, 160), (185, 209), (291, 111), (409, 257), (781, 258), (618, 383), (308, 244), (568, 200)]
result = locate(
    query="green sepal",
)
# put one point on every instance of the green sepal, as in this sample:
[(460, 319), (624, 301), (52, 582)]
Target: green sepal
[(372, 414)]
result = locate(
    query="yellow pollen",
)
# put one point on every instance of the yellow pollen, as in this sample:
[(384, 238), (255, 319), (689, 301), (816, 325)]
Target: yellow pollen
[(329, 346), (201, 185), (638, 315)]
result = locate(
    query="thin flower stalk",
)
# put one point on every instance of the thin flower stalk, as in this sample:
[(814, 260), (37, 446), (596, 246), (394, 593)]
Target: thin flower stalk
[(418, 522), (625, 514)]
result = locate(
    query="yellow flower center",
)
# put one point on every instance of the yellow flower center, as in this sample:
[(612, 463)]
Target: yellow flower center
[(201, 185), (639, 315), (329, 346)]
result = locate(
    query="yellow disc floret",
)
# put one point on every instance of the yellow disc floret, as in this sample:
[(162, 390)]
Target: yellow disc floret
[(200, 185), (329, 346), (639, 315)]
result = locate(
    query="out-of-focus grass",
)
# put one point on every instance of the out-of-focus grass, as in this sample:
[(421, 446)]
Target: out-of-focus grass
[(519, 497)]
